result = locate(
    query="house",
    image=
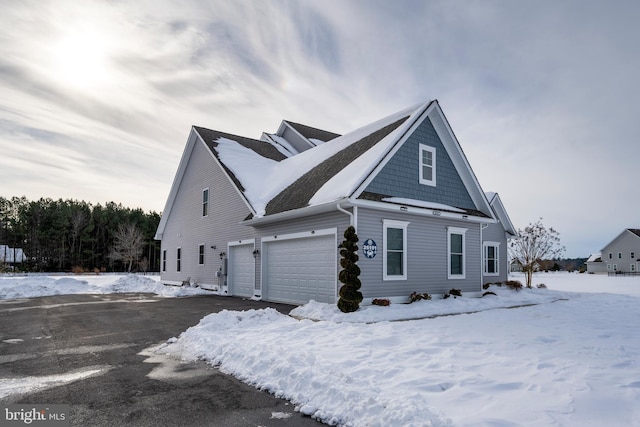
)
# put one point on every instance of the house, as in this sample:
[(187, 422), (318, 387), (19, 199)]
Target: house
[(621, 255), (595, 264), (264, 218), (11, 256)]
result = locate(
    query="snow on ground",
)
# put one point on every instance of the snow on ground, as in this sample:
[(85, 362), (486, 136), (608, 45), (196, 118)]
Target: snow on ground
[(29, 286), (568, 355), (572, 359)]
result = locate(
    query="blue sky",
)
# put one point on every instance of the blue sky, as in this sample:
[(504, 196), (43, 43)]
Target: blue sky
[(97, 98)]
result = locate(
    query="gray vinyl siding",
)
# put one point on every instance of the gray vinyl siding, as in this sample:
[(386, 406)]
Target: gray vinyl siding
[(187, 228), (496, 233), (400, 176), (427, 256), (624, 244)]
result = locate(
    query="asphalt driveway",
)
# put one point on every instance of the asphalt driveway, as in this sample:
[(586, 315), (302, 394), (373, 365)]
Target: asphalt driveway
[(88, 351)]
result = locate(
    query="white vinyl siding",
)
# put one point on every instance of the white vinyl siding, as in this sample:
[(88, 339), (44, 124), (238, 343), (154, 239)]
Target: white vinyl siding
[(427, 165), (456, 250), (395, 250)]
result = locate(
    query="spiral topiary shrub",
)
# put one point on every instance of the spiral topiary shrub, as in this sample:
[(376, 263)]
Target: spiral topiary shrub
[(350, 295)]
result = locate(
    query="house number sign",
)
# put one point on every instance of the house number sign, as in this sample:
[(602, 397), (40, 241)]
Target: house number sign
[(369, 248)]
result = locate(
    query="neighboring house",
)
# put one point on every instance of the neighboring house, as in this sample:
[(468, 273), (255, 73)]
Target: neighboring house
[(495, 237), (622, 254), (12, 256), (595, 264), (264, 218)]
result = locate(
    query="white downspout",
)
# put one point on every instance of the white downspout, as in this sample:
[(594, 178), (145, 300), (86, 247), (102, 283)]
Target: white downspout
[(482, 227), (351, 216)]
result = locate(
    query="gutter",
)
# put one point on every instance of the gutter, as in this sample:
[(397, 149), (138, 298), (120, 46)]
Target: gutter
[(296, 213)]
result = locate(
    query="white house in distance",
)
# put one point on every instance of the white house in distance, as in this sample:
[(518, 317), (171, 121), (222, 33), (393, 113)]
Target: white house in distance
[(11, 256), (621, 255), (264, 218)]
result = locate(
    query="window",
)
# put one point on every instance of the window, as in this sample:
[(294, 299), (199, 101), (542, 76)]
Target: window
[(491, 265), (164, 260), (633, 255), (205, 202), (395, 250), (619, 255), (427, 165), (456, 243), (610, 255), (633, 268), (178, 256), (201, 255)]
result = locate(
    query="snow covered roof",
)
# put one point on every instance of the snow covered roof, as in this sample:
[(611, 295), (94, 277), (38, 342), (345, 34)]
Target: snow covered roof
[(597, 257), (274, 176), (276, 183), (500, 212)]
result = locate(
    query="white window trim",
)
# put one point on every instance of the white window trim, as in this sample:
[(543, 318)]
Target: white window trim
[(462, 231), (207, 202), (484, 258), (178, 259), (389, 223), (432, 150)]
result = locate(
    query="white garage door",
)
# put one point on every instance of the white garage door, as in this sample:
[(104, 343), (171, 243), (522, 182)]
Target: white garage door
[(241, 270), (299, 270)]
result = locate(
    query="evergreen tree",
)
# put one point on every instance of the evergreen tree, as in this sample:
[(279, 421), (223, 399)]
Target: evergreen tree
[(350, 295)]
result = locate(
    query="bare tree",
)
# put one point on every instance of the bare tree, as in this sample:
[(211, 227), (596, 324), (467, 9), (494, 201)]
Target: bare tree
[(534, 244), (79, 220), (128, 245)]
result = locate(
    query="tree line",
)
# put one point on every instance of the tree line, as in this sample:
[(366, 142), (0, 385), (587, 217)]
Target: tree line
[(71, 235)]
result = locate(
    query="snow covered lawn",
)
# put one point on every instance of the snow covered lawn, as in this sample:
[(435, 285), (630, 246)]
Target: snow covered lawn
[(37, 285), (566, 356), (573, 359)]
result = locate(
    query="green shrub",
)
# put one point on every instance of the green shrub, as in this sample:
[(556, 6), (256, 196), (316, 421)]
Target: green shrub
[(350, 296)]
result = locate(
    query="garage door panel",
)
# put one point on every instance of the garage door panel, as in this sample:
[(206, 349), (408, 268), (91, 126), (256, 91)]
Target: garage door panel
[(241, 270), (302, 269)]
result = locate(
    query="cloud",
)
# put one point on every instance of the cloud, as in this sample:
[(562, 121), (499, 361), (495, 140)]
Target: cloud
[(541, 96)]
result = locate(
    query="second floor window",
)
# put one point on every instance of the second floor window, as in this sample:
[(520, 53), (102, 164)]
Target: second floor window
[(427, 165), (205, 202)]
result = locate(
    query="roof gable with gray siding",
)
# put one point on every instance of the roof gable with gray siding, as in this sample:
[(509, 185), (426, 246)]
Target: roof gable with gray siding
[(400, 176)]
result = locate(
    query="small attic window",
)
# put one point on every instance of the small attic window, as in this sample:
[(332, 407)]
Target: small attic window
[(427, 165)]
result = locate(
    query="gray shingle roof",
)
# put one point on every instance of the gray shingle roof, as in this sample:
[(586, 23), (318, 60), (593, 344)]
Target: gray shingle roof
[(298, 194), (260, 147), (313, 133)]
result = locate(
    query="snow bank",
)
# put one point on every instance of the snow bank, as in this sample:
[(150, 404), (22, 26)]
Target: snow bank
[(572, 359), (16, 287)]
